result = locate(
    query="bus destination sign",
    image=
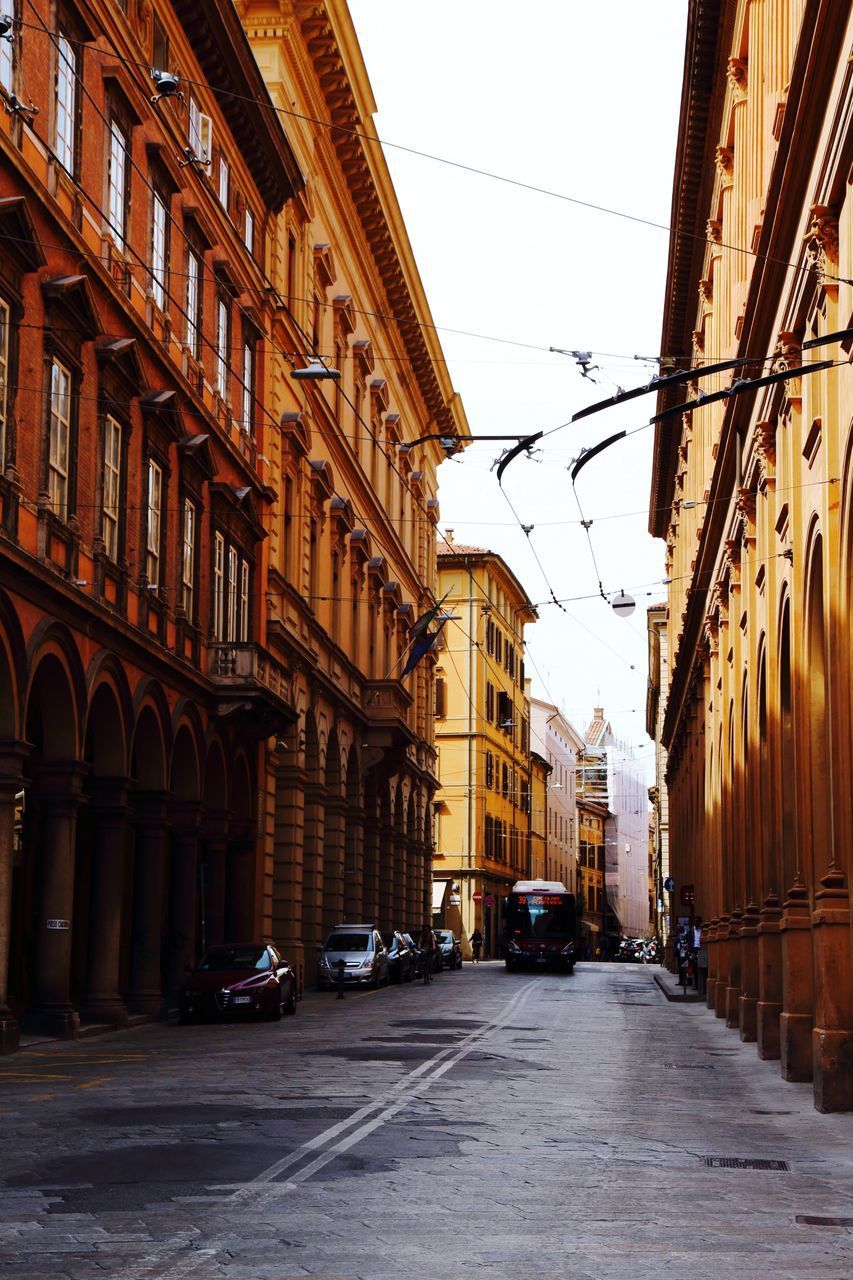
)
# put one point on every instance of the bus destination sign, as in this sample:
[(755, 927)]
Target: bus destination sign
[(540, 899)]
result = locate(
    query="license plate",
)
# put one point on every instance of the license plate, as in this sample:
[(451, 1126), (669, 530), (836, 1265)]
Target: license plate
[(242, 1000)]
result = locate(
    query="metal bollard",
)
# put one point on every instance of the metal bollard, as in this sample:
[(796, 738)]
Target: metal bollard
[(341, 972)]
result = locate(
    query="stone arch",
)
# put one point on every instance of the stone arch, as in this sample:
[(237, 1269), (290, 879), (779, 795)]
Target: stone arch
[(54, 701), (185, 764), (385, 873), (12, 672), (151, 745), (44, 884), (106, 736)]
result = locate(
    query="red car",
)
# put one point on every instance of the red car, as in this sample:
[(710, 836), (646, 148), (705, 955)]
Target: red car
[(236, 979)]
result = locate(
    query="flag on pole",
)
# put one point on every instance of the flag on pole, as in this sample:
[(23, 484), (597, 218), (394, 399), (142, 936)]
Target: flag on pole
[(421, 647), (422, 624)]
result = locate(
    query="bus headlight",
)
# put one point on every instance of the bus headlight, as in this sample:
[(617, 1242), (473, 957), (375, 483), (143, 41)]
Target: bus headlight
[(569, 950), (513, 946)]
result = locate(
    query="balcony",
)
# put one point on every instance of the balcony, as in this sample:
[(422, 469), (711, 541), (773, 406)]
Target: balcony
[(248, 680), (386, 705)]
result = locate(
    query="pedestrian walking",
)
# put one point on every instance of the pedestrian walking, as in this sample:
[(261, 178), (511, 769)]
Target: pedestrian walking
[(427, 953), (476, 945)]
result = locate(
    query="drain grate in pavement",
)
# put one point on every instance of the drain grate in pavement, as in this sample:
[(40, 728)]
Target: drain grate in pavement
[(735, 1162), (689, 1066), (815, 1220)]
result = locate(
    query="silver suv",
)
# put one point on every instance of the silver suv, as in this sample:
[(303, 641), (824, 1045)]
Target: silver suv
[(363, 952)]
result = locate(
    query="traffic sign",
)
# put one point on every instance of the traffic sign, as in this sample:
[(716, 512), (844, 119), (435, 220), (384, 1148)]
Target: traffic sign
[(669, 884), (477, 897)]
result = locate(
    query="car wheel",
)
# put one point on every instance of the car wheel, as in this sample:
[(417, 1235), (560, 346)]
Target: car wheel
[(185, 1017), (290, 1002), (274, 1014), (459, 963)]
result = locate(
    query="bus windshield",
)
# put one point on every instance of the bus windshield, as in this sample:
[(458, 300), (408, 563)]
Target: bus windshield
[(541, 915)]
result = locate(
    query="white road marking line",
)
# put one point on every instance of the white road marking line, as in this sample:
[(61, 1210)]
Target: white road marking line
[(166, 1263), (456, 1052)]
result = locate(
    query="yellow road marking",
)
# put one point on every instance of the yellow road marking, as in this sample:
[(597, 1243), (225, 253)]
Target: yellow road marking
[(93, 1084), (41, 1097)]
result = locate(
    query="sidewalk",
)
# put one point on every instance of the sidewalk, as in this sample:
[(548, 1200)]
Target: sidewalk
[(668, 983)]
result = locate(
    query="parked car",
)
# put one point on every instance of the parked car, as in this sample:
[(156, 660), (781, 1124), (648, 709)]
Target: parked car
[(363, 952), (417, 955), (451, 948), (401, 961), (237, 979)]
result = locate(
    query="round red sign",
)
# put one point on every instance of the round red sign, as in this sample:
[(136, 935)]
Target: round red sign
[(478, 897)]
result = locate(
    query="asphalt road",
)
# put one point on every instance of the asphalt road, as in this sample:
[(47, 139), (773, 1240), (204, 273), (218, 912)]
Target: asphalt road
[(494, 1124)]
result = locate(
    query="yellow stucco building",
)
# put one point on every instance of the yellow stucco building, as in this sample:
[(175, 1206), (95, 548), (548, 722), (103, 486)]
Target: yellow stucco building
[(591, 822), (753, 495), (482, 733), (347, 807)]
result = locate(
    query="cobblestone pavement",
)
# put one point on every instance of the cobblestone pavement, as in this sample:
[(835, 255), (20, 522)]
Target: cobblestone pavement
[(501, 1125)]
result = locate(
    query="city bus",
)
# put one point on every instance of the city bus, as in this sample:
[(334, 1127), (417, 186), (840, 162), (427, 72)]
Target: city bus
[(540, 926)]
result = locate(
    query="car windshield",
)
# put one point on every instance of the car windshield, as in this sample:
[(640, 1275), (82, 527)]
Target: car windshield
[(349, 942), (444, 935), (220, 959)]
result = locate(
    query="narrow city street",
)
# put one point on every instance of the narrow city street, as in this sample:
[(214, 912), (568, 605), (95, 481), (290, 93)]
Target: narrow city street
[(491, 1124)]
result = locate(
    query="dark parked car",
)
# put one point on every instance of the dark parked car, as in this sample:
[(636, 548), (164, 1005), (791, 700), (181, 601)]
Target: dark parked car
[(451, 948), (401, 960), (417, 954), (239, 978)]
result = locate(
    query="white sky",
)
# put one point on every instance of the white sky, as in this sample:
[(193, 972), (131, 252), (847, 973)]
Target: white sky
[(583, 99)]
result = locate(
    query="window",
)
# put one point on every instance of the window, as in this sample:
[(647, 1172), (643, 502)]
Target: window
[(159, 250), (499, 640), (291, 266), (490, 770), (7, 55), (244, 603), (112, 484), (440, 698), (224, 183), (218, 587), (159, 46), (249, 231), (231, 626), (59, 438), (222, 319), (188, 558), (194, 287), (199, 133), (117, 185), (287, 524), (155, 517), (490, 703), (65, 98), (504, 781), (248, 387), (4, 378)]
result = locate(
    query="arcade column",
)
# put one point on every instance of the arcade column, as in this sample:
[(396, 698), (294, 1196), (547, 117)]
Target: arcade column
[(59, 791), (151, 824), (11, 783), (111, 813)]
